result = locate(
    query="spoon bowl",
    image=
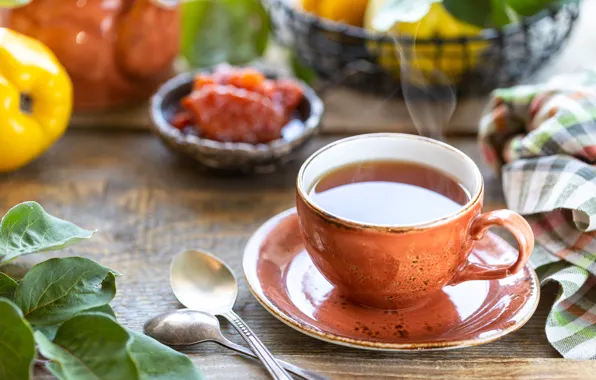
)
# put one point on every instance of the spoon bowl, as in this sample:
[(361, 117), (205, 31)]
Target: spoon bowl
[(200, 281), (184, 328)]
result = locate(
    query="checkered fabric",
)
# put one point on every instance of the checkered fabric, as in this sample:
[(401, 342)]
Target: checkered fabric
[(542, 141)]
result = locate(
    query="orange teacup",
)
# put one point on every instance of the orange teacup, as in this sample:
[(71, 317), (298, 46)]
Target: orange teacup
[(392, 266)]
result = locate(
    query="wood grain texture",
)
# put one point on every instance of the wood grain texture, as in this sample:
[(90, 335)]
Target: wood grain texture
[(149, 204)]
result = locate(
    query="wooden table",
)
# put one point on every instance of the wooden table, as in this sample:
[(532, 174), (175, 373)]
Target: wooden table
[(148, 204)]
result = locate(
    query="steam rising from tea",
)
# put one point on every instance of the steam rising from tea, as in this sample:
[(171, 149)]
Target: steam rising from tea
[(428, 94), (393, 192)]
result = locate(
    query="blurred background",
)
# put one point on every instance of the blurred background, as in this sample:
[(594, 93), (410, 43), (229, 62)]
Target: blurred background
[(362, 53)]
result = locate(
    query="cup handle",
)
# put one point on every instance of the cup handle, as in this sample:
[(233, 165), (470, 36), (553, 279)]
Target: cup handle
[(517, 226)]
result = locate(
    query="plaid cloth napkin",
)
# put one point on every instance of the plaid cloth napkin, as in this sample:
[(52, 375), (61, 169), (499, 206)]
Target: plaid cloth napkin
[(542, 139)]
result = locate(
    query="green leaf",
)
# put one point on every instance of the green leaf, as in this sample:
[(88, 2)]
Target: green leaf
[(394, 11), (158, 362), (16, 343), (502, 14), (7, 286), (530, 7), (89, 346), (482, 13), (477, 12), (305, 73), (50, 330), (57, 289), (104, 309), (13, 3), (27, 228), (233, 31)]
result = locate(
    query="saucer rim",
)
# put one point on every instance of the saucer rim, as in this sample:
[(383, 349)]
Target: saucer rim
[(373, 345)]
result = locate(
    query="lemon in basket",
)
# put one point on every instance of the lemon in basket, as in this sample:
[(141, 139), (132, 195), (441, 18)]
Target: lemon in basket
[(450, 58), (345, 11)]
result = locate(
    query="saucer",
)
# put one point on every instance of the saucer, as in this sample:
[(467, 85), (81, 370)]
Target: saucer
[(282, 277)]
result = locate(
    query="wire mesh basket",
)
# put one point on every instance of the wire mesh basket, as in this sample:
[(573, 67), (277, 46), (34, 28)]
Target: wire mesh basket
[(470, 65)]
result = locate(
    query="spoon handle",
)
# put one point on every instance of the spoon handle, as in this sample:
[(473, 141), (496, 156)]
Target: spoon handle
[(300, 372), (276, 371)]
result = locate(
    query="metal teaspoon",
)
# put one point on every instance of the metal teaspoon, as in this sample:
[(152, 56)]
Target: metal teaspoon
[(189, 327), (202, 282)]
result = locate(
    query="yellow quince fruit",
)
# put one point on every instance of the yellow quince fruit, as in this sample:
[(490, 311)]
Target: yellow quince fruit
[(28, 67), (345, 11), (425, 60)]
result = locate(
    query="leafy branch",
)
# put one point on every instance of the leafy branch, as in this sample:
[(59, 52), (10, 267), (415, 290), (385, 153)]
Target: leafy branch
[(61, 309)]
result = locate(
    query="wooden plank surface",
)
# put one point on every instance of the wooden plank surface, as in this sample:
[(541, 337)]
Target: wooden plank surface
[(149, 204)]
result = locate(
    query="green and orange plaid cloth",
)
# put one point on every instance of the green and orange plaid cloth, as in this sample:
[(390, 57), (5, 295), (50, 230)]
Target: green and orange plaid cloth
[(542, 139)]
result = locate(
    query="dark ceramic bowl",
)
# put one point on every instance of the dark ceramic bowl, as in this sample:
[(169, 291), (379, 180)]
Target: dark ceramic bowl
[(229, 156)]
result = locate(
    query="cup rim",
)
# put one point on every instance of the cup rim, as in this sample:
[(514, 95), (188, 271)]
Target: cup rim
[(389, 228)]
